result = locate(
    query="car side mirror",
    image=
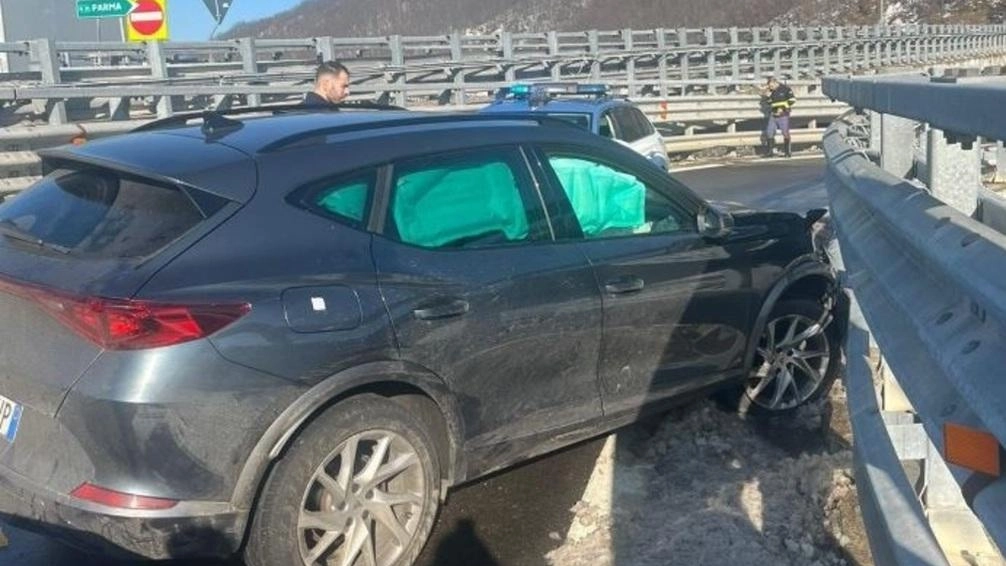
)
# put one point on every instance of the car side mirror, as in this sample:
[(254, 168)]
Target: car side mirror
[(715, 224), (659, 160)]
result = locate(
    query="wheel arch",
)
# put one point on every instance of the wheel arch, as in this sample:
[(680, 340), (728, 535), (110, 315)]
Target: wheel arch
[(412, 386), (807, 278)]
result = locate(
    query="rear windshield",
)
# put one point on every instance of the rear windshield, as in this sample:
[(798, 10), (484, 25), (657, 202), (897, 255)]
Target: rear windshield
[(99, 213)]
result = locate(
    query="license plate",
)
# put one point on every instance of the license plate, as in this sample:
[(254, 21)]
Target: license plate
[(10, 418)]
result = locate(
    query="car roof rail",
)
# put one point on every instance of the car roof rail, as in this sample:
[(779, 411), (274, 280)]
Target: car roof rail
[(418, 120), (218, 116)]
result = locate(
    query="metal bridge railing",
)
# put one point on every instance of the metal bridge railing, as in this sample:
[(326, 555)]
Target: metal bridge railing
[(458, 69), (930, 281)]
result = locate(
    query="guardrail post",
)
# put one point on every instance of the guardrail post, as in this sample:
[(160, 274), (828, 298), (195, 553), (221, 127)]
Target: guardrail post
[(398, 62), (630, 63), (896, 137), (159, 70), (595, 55), (711, 54), (954, 172), (886, 47), (872, 56), (249, 64), (1000, 176), (324, 48), (948, 511), (900, 49), (756, 52), (926, 43), (811, 51), (929, 44), (875, 129), (777, 51), (662, 61), (911, 45), (917, 45), (458, 69), (826, 33), (880, 46), (44, 52), (794, 38), (506, 48), (867, 47), (735, 55), (555, 68), (840, 48), (683, 44)]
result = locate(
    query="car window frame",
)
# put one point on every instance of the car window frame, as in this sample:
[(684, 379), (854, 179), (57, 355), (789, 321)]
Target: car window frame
[(647, 126), (561, 115), (303, 196), (553, 192), (623, 116), (528, 186), (606, 117)]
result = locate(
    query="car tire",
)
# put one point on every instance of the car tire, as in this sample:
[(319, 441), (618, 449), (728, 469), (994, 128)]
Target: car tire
[(304, 504), (787, 374)]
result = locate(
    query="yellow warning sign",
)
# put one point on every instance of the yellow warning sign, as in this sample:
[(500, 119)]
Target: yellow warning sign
[(148, 21)]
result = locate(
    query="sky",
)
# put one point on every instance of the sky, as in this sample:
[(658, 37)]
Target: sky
[(189, 20)]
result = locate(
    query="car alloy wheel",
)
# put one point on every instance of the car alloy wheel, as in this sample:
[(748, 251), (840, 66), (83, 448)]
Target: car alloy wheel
[(363, 505)]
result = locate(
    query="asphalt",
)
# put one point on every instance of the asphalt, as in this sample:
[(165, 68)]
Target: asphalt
[(515, 517)]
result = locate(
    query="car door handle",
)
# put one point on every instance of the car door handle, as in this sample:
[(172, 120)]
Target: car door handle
[(623, 285), (442, 309)]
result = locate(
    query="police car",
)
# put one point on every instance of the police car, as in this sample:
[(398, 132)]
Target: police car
[(589, 106)]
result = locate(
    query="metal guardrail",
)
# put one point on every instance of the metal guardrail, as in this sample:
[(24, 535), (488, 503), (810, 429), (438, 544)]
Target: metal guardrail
[(456, 69), (929, 279)]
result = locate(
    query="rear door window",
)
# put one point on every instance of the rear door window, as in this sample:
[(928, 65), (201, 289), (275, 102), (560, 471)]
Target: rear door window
[(103, 214), (346, 199), (473, 199)]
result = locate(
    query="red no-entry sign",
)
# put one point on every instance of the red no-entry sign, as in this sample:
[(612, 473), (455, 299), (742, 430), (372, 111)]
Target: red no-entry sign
[(148, 21)]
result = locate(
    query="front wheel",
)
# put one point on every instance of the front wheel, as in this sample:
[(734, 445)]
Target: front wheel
[(796, 362), (359, 486)]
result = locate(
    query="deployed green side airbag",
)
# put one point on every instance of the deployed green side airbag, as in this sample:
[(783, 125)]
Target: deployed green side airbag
[(348, 200), (602, 198), (439, 206)]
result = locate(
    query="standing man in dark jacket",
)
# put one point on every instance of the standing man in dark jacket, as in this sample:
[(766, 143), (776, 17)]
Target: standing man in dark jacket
[(779, 99), (331, 85)]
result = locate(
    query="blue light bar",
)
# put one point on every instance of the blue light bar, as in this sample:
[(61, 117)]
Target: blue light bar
[(520, 91), (540, 93), (596, 89)]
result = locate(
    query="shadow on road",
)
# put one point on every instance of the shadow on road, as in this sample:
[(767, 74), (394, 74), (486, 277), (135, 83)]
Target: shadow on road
[(513, 518)]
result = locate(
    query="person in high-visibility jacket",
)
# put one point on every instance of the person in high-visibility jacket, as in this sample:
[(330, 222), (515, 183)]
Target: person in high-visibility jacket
[(780, 99)]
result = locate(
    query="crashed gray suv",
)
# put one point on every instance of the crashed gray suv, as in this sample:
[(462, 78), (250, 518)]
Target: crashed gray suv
[(288, 335)]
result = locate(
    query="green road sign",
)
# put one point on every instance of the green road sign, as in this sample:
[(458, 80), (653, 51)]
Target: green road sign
[(87, 9)]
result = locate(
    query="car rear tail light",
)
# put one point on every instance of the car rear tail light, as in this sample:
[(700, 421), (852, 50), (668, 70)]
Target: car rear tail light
[(126, 324), (118, 499)]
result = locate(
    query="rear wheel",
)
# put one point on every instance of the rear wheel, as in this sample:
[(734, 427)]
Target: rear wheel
[(796, 361), (358, 487)]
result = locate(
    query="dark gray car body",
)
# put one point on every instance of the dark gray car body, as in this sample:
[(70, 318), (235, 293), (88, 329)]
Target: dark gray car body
[(547, 351)]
